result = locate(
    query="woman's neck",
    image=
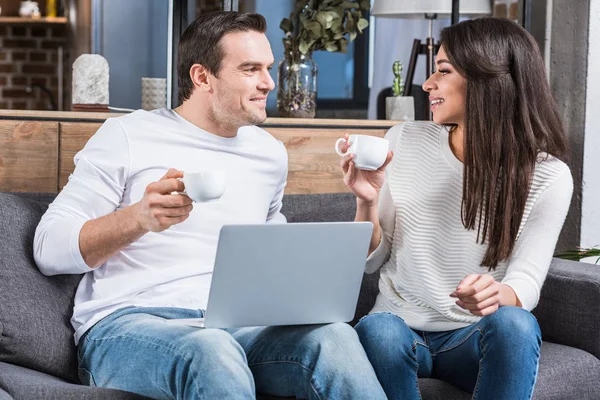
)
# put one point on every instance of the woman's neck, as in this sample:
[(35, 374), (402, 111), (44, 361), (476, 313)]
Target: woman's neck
[(457, 142)]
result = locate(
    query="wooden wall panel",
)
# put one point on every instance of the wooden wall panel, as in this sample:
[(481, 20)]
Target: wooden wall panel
[(38, 155), (28, 156), (73, 136), (313, 163)]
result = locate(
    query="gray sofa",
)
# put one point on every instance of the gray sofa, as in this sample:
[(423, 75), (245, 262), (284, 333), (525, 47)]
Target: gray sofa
[(38, 358)]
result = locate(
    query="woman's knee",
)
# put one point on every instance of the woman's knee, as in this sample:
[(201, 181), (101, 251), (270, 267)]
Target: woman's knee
[(385, 330), (514, 322)]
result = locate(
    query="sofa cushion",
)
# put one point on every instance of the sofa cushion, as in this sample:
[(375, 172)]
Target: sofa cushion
[(330, 207), (567, 373), (569, 307), (35, 330), (23, 383)]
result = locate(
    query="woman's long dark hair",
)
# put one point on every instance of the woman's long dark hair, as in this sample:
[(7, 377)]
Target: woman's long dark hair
[(510, 118)]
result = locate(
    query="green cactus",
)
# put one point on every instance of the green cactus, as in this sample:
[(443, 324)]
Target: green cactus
[(398, 83)]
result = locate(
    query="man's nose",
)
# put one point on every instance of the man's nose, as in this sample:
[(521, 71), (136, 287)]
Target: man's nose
[(266, 83)]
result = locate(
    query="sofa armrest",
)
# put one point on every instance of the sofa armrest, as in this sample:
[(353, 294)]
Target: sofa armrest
[(569, 308)]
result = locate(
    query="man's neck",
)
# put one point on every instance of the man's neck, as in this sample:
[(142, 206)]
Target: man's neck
[(198, 116)]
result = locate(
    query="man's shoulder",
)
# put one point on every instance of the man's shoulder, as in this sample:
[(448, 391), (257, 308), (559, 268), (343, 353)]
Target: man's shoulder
[(138, 116), (260, 134)]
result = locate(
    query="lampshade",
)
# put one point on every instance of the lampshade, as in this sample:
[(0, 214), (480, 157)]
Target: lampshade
[(417, 9)]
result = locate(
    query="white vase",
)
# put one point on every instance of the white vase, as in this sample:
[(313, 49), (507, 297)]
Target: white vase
[(400, 108), (29, 9), (154, 93)]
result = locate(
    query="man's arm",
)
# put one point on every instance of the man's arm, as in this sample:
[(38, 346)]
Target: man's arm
[(81, 228), (102, 237)]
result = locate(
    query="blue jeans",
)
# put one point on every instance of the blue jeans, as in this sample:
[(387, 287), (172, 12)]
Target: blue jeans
[(495, 358), (136, 349)]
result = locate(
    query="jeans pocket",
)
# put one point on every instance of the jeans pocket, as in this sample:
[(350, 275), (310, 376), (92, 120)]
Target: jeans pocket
[(86, 377)]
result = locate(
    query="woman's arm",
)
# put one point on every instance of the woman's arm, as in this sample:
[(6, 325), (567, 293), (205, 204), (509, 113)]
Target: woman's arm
[(532, 254)]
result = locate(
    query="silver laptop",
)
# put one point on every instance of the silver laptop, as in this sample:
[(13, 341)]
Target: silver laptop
[(287, 274)]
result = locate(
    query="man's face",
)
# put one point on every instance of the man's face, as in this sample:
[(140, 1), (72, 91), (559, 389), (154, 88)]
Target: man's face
[(239, 95)]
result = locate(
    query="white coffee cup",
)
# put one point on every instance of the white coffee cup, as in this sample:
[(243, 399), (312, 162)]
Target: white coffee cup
[(370, 152), (204, 186)]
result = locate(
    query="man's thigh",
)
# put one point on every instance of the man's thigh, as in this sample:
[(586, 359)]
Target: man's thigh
[(141, 351), (285, 360)]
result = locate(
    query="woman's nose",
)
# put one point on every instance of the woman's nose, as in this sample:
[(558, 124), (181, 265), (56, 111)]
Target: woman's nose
[(429, 84)]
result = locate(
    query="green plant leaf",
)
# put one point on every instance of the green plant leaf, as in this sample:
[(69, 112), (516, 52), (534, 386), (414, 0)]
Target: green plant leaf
[(365, 5), (331, 46), (314, 28), (362, 24), (286, 25), (350, 4), (303, 47), (578, 254)]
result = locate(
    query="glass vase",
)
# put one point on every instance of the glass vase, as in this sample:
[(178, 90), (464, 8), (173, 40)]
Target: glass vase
[(297, 86)]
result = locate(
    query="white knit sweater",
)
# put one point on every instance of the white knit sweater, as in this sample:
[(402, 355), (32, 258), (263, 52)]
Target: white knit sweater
[(425, 250)]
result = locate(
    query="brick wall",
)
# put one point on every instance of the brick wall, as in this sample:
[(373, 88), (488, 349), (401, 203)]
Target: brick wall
[(29, 55)]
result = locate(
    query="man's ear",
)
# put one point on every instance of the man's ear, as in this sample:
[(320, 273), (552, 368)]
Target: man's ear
[(201, 78)]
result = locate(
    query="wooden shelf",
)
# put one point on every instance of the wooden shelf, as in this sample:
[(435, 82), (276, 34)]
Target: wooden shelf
[(43, 20)]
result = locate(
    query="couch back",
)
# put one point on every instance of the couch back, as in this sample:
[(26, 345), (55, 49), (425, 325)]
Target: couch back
[(35, 310)]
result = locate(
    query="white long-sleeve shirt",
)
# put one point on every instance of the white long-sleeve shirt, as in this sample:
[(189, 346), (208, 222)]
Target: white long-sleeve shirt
[(425, 250), (172, 268)]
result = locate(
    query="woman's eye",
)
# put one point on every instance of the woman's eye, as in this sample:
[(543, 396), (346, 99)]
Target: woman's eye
[(443, 71)]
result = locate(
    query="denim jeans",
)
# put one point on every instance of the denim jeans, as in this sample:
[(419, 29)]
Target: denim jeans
[(495, 358), (136, 349)]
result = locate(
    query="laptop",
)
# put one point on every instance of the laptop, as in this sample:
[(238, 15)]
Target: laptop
[(287, 274)]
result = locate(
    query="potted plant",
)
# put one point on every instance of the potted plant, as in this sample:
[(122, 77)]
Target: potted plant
[(580, 253), (399, 107), (313, 25)]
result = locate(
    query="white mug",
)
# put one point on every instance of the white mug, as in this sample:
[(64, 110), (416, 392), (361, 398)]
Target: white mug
[(370, 152), (204, 186)]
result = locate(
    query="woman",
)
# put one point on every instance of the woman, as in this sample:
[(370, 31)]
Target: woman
[(466, 217)]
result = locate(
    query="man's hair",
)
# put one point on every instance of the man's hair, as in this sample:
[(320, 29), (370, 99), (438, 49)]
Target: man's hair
[(201, 43)]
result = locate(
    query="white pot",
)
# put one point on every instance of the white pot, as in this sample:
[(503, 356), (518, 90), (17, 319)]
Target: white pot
[(400, 108)]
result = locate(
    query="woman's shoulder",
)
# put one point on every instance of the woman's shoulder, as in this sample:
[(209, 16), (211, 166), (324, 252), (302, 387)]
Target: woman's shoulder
[(550, 170), (413, 130)]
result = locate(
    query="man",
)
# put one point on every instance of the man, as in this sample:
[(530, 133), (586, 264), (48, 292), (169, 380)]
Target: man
[(147, 253)]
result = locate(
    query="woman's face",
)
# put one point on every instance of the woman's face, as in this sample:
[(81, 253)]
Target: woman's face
[(447, 92)]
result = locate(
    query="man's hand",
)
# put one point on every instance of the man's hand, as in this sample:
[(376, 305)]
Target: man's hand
[(159, 209), (479, 293)]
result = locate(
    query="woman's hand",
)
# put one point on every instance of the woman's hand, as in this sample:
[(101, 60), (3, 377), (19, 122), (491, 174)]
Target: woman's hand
[(480, 294), (365, 185)]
